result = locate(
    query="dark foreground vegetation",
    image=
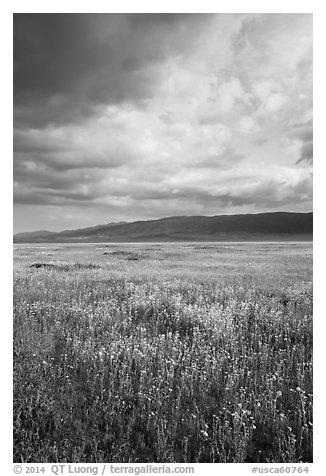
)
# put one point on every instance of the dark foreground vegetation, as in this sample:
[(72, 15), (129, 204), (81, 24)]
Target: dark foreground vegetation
[(161, 353)]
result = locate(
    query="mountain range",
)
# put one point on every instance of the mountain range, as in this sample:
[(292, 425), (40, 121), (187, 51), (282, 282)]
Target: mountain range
[(276, 226)]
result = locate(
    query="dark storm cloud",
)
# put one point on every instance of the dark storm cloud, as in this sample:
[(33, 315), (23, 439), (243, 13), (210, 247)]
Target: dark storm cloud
[(37, 176), (304, 133), (64, 150), (40, 188), (67, 160), (306, 153), (29, 141), (28, 197), (68, 65)]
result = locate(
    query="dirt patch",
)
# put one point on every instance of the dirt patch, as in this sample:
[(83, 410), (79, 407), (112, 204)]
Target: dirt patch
[(42, 265), (127, 255), (64, 267)]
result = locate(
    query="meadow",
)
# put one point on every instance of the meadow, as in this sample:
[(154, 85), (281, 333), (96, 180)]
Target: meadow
[(187, 352)]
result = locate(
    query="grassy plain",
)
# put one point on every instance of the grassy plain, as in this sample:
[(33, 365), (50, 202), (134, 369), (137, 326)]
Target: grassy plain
[(163, 353)]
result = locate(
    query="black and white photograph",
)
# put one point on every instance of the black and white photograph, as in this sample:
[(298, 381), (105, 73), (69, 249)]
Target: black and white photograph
[(162, 240)]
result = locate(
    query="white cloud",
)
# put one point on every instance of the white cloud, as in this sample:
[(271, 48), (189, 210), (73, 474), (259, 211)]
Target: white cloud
[(248, 125)]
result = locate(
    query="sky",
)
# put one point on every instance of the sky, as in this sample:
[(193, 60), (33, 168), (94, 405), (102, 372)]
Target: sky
[(125, 117)]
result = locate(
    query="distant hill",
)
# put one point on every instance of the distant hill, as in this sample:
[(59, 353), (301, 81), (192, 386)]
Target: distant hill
[(32, 234), (278, 226)]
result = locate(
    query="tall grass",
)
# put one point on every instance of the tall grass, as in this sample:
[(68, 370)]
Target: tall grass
[(138, 361)]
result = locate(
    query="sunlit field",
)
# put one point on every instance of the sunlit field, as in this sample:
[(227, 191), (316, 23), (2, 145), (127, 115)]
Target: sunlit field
[(163, 353)]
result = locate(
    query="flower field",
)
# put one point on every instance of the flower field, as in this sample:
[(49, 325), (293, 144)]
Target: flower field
[(163, 353)]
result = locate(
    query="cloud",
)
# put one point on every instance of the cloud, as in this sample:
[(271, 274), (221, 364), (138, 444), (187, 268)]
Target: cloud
[(302, 134), (67, 65), (303, 131), (248, 125), (131, 116), (73, 147), (306, 152)]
